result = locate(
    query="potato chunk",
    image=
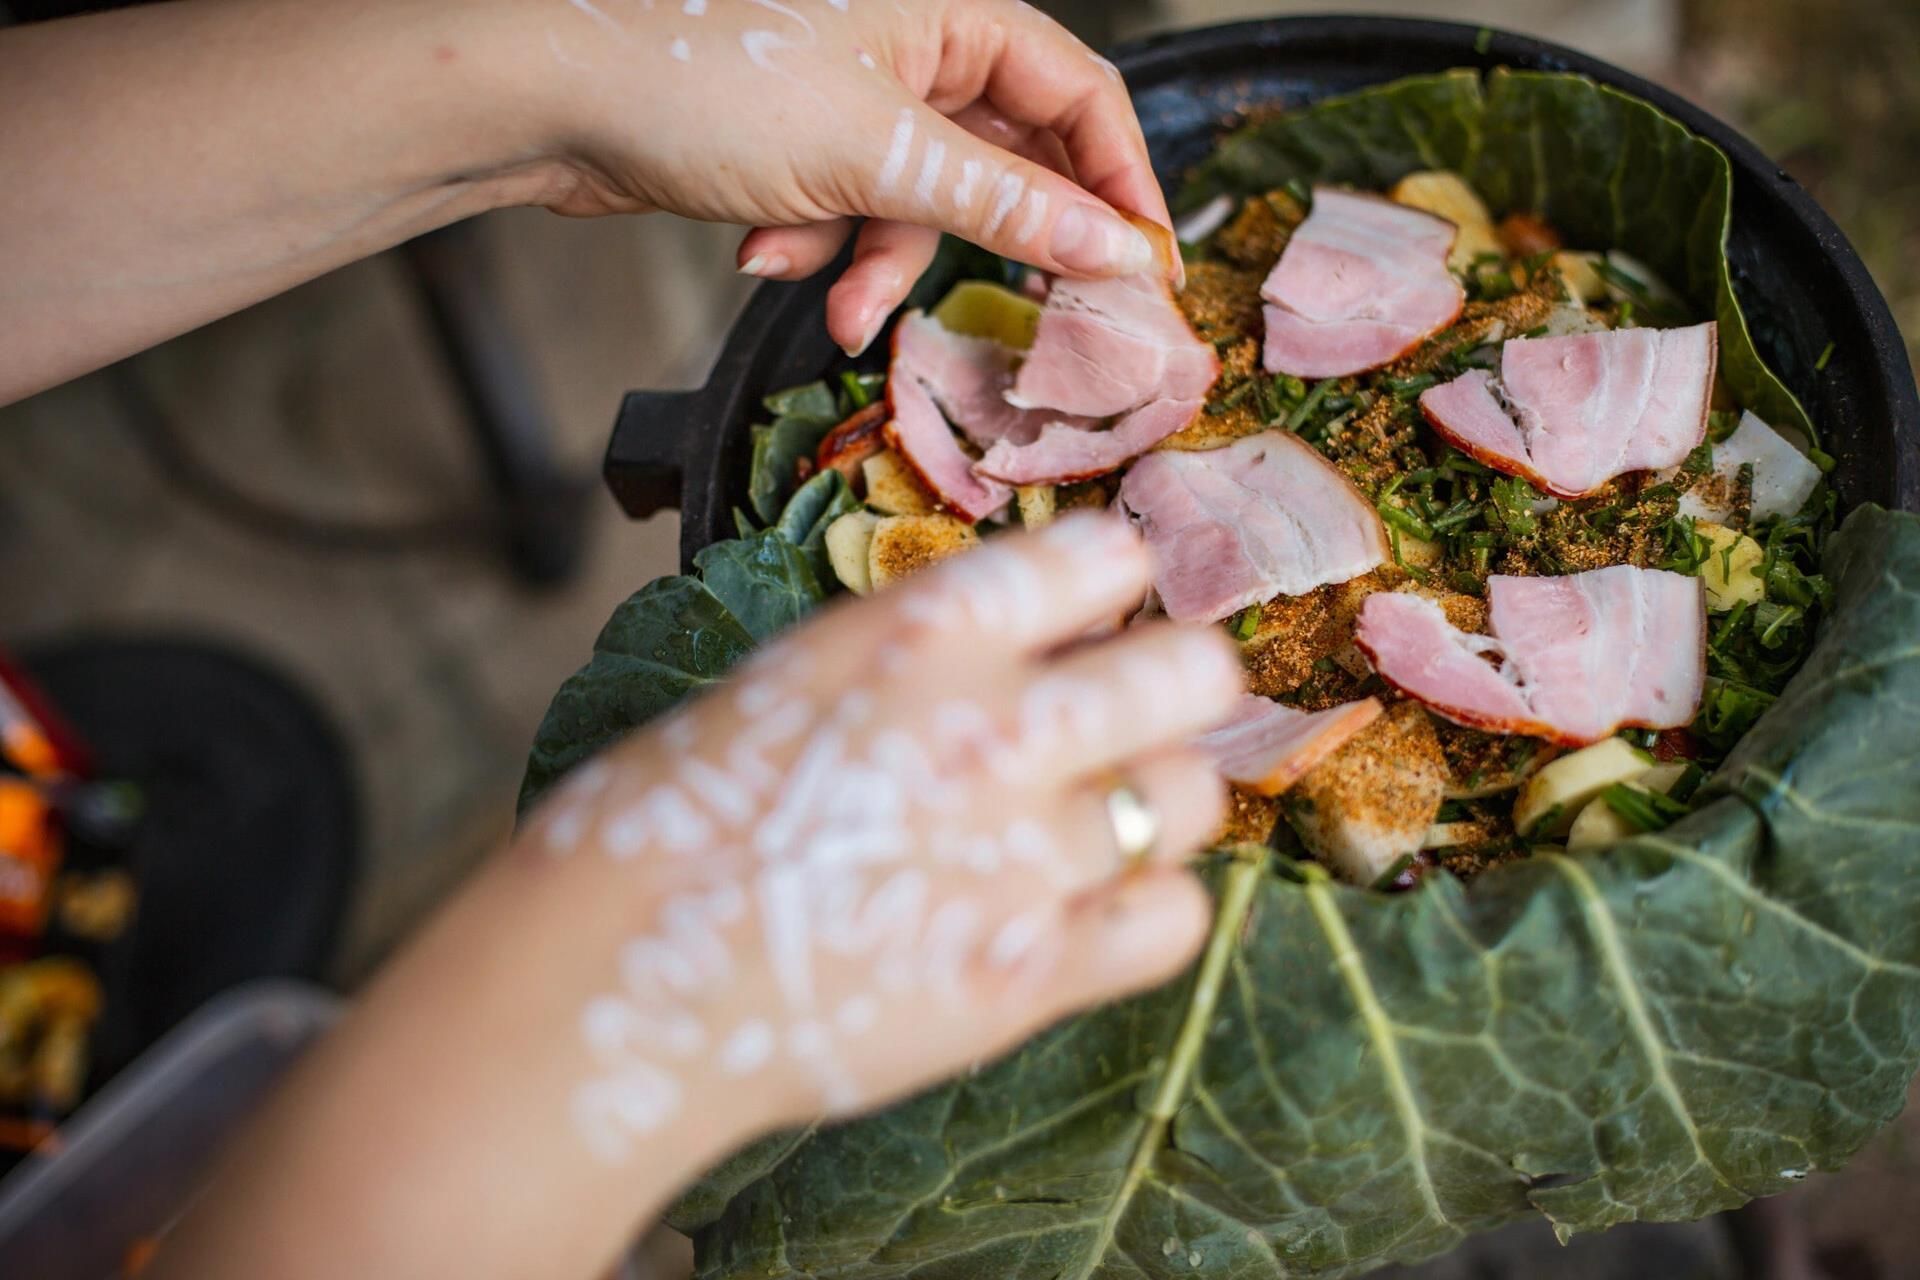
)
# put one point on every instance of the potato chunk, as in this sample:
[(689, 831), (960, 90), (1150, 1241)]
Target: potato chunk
[(1038, 504), (904, 545), (978, 309), (1551, 799), (1374, 800), (893, 489), (1731, 572), (1447, 195)]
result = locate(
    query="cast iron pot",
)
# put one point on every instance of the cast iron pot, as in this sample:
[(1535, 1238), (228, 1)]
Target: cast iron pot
[(1800, 282)]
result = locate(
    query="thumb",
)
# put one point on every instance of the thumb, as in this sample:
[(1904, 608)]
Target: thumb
[(930, 171)]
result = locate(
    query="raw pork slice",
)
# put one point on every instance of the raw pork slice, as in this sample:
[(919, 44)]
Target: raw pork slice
[(1569, 659), (1267, 747), (1262, 517), (1362, 282), (923, 438), (1117, 349), (1572, 413)]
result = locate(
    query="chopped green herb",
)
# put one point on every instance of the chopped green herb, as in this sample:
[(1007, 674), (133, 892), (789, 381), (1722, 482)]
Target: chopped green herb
[(859, 395), (1820, 365), (1299, 416), (1405, 522), (1643, 810), (1243, 624)]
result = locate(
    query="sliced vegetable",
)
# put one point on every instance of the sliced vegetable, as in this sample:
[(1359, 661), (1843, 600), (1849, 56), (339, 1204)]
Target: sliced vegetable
[(849, 543), (1731, 568), (981, 310), (1446, 194), (1580, 272), (1551, 799)]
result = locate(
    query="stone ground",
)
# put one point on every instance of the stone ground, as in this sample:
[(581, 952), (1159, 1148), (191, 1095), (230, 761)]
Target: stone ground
[(436, 666)]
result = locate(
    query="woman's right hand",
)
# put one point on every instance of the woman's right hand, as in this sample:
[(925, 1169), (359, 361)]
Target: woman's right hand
[(882, 850)]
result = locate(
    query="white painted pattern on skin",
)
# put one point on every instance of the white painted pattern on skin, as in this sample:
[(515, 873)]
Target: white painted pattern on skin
[(681, 51), (749, 1048), (1006, 194), (866, 60), (761, 44), (963, 191), (822, 874), (1035, 215), (694, 8), (930, 167), (600, 16), (899, 150)]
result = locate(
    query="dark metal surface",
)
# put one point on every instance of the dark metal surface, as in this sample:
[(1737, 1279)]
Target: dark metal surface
[(1801, 282)]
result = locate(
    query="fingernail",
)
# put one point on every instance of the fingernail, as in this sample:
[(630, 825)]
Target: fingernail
[(766, 265), (872, 331), (1088, 238)]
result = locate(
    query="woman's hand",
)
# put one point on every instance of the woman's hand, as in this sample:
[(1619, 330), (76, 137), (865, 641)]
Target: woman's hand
[(878, 853), (797, 116), (883, 851)]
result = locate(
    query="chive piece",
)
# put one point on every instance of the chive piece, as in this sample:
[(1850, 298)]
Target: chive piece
[(1405, 521), (1299, 416), (1820, 458), (1643, 810), (1820, 365), (1483, 39), (856, 388), (1244, 623)]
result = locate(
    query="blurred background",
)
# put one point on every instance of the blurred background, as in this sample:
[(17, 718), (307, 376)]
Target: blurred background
[(309, 482)]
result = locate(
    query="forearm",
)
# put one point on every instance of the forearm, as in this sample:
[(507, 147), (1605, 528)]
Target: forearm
[(432, 1132), (167, 165)]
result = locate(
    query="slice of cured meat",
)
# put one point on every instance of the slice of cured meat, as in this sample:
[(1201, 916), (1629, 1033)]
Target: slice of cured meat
[(968, 378), (1571, 413), (1262, 517), (1105, 349), (1361, 282), (923, 438), (1570, 659), (1266, 747)]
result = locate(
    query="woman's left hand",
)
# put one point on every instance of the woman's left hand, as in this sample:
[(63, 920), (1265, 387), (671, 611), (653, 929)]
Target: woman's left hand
[(984, 118)]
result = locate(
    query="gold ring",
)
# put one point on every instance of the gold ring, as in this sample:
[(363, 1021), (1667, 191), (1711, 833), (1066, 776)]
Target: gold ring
[(1135, 829)]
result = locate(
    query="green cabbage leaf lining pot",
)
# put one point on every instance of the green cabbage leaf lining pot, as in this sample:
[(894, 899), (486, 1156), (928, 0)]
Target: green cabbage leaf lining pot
[(1658, 1031)]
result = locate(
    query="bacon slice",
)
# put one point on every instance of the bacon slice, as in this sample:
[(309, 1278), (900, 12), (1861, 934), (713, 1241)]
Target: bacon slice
[(1570, 659), (968, 378), (1362, 282), (849, 445), (1262, 517), (923, 438), (1572, 413), (1106, 349), (1267, 747)]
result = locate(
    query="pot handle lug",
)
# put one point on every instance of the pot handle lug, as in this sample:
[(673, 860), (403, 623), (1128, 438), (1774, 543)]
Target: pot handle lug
[(646, 459)]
